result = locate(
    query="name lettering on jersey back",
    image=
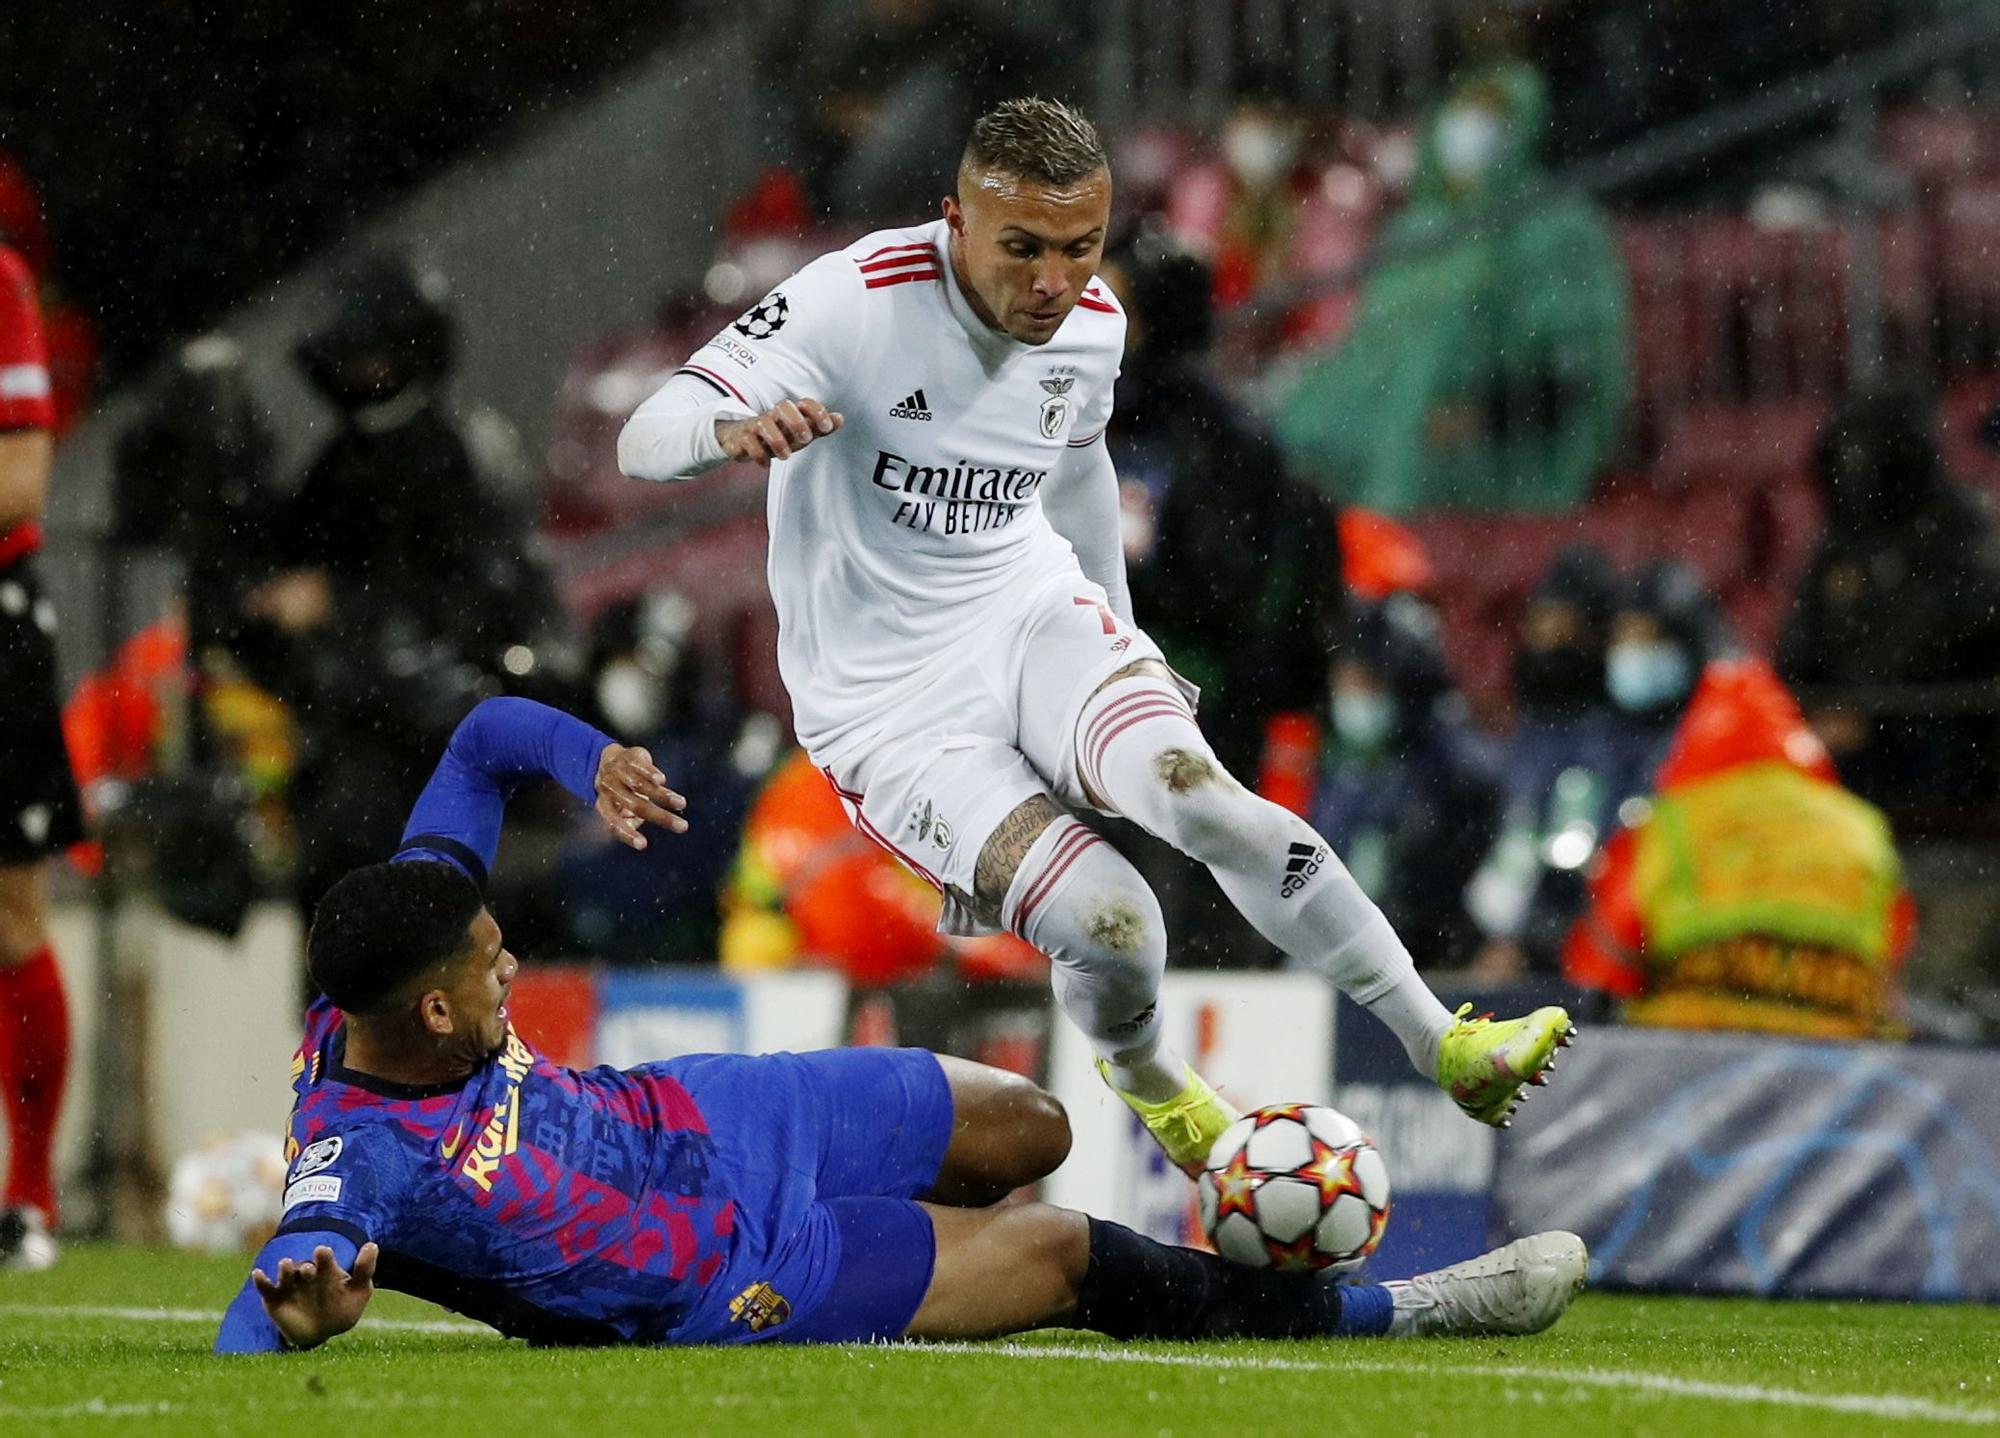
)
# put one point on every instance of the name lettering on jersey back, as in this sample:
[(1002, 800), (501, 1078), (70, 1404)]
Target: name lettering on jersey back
[(502, 1134), (956, 498)]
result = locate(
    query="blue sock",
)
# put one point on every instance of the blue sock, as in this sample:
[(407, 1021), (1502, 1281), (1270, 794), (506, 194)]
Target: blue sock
[(1365, 1310)]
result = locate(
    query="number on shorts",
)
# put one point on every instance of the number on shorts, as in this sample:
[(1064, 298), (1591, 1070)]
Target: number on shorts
[(1103, 612)]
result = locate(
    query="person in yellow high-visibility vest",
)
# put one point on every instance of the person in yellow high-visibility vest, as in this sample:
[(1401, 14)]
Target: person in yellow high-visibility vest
[(1752, 891)]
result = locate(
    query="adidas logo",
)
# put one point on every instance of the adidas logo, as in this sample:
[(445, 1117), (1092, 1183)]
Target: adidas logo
[(1303, 862), (914, 406)]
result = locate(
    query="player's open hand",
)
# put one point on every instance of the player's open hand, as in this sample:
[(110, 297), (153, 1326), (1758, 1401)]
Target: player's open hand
[(631, 792), (313, 1301), (777, 433)]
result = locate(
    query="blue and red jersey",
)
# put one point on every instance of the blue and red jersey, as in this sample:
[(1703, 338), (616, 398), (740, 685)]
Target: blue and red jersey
[(557, 1205)]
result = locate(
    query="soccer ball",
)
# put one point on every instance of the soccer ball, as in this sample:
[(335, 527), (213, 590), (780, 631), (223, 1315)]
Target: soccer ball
[(226, 1196), (1294, 1186)]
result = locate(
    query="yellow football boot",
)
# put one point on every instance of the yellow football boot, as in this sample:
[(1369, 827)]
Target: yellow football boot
[(1484, 1062), (1185, 1126)]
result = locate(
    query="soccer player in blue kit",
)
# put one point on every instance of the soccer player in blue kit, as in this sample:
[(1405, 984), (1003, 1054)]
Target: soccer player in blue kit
[(846, 1195)]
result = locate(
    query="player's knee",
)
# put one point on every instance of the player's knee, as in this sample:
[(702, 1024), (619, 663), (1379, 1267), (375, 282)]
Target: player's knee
[(1208, 814), (1097, 916), (1125, 927), (1123, 937), (1044, 1134)]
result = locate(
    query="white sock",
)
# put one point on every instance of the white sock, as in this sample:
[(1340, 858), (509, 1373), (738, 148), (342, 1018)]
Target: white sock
[(1140, 751), (1082, 903)]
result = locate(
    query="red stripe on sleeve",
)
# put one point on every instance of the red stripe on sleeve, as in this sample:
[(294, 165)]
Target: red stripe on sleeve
[(902, 262), (902, 278), (892, 249)]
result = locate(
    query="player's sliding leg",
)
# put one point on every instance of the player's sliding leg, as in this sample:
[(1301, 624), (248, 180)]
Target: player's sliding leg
[(1064, 890), (1008, 1270), (1006, 1133), (1140, 753)]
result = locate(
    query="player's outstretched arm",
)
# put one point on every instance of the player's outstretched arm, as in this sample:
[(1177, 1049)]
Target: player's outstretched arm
[(504, 742), (306, 1287), (318, 1299)]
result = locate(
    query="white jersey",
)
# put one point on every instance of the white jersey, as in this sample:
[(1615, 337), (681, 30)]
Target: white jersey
[(919, 525)]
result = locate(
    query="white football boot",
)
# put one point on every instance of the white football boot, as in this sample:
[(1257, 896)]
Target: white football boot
[(1522, 1288), (26, 1245)]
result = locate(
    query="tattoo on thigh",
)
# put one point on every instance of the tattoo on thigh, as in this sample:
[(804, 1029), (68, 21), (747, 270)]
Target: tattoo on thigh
[(1008, 845), (1151, 667)]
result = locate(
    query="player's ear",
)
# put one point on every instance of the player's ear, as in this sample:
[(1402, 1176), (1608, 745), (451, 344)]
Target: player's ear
[(434, 1012), (954, 215)]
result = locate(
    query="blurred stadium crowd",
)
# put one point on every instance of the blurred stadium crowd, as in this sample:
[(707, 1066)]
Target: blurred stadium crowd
[(1603, 558)]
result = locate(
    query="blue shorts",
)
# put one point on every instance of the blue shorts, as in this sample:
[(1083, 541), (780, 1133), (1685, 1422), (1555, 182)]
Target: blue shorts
[(825, 1152)]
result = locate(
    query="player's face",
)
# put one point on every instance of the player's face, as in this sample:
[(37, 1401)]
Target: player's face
[(1023, 250), (478, 991)]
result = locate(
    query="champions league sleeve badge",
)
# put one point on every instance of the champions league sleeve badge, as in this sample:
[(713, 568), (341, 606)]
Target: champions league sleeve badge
[(765, 318), (1055, 409)]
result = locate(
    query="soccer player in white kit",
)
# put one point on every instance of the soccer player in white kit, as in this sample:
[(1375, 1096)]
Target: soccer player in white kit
[(954, 627)]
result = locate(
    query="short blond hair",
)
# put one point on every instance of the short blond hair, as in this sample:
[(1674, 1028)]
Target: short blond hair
[(1035, 139)]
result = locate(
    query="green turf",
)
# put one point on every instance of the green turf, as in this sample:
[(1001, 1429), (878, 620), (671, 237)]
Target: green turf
[(65, 1369)]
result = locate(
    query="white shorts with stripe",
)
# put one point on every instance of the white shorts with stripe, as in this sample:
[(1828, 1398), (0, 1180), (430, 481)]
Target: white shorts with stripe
[(986, 731)]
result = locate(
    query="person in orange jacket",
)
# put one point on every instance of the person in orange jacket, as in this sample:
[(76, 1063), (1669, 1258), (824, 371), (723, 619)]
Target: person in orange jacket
[(1752, 891), (808, 887)]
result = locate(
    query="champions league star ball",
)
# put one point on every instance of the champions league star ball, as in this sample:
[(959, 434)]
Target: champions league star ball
[(226, 1196), (1294, 1186), (765, 318)]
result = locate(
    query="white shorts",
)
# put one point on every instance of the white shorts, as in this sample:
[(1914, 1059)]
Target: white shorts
[(988, 730)]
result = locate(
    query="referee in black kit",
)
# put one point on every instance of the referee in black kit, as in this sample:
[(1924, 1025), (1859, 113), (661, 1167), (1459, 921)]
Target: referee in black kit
[(40, 813)]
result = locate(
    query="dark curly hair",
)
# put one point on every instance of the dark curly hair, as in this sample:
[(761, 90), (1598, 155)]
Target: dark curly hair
[(382, 926)]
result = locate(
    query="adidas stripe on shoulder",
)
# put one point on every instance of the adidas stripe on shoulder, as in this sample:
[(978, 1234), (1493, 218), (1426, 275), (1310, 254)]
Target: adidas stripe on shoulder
[(899, 265)]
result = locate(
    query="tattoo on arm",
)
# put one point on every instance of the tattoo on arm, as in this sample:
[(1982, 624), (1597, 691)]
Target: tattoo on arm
[(1006, 848)]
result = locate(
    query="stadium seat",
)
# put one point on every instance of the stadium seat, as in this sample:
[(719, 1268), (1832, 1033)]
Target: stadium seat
[(606, 381), (1961, 413), (1969, 274), (1725, 310), (1739, 446), (1908, 250), (1773, 308), (1937, 148)]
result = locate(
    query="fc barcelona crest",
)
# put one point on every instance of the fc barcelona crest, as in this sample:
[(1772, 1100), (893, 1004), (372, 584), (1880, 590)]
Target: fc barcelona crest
[(1055, 409)]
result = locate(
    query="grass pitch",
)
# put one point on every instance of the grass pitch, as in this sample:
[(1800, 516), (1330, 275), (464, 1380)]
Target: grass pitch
[(115, 1341)]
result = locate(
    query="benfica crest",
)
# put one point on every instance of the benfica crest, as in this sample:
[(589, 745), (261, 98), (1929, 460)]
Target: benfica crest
[(1055, 409)]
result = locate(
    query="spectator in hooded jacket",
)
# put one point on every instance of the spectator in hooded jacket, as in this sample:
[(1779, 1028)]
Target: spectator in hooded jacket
[(1488, 364)]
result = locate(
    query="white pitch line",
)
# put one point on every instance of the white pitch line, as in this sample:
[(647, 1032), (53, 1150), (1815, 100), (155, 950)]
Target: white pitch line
[(1874, 1405), (91, 1408), (201, 1315)]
